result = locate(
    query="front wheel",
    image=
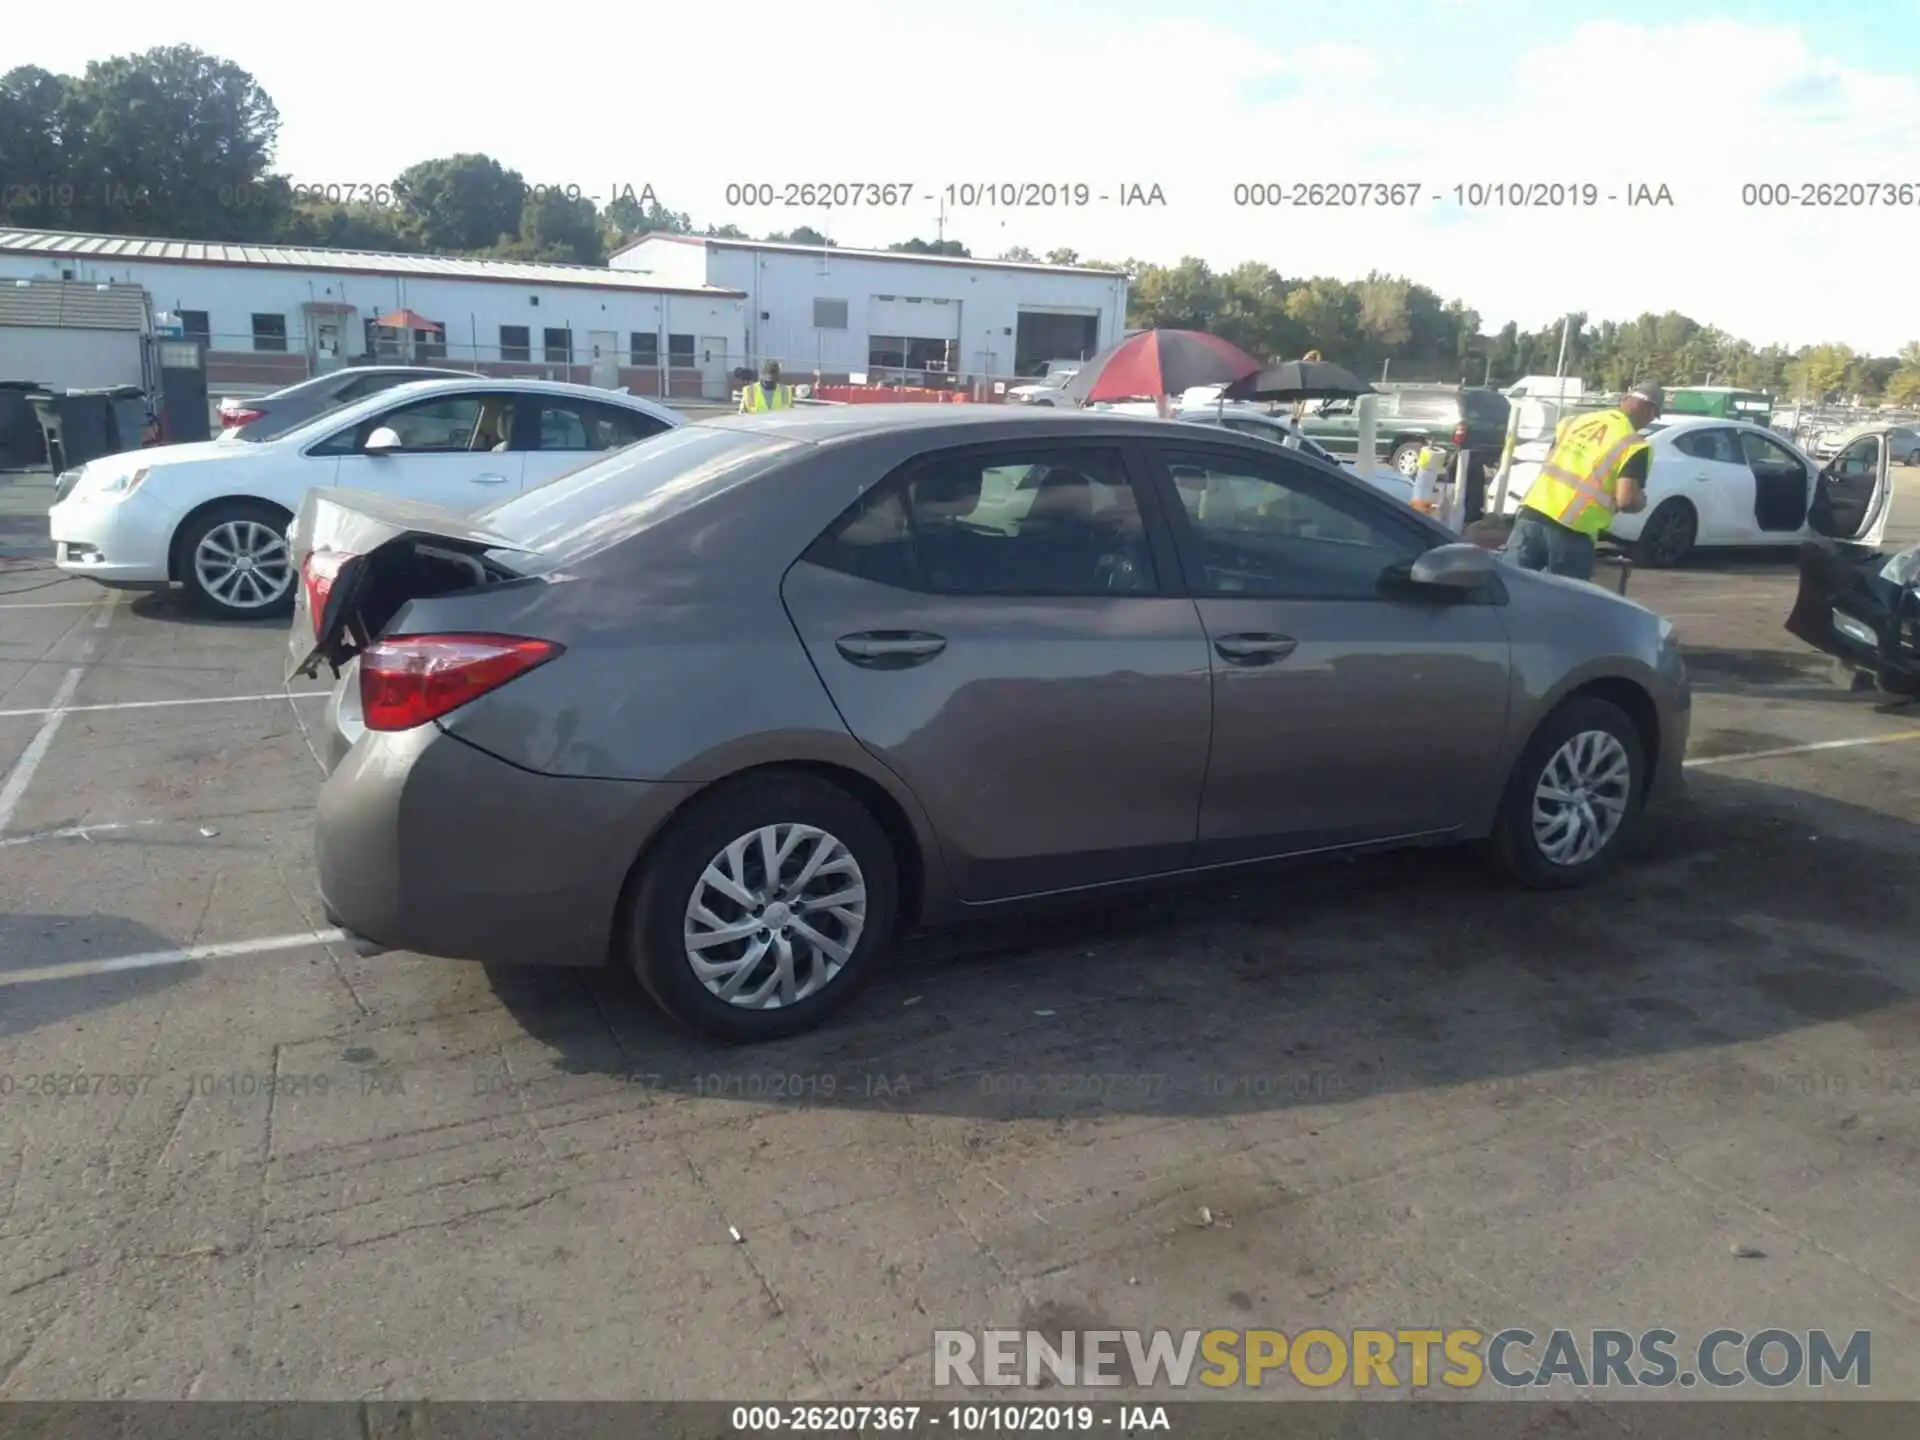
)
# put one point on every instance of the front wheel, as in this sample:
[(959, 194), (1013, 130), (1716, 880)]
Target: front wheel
[(1668, 536), (1406, 458), (235, 564), (1572, 798), (764, 907)]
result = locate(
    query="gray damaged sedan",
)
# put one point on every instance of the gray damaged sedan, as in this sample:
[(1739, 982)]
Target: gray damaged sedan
[(738, 707)]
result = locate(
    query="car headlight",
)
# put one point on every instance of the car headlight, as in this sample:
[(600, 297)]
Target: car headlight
[(115, 487), (1667, 632), (1902, 569)]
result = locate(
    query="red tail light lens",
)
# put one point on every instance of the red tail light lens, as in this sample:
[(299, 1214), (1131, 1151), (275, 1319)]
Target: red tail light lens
[(408, 680), (234, 419), (1460, 436), (318, 574)]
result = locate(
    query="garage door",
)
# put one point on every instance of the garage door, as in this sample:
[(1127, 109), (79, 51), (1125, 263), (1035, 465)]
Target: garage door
[(918, 319)]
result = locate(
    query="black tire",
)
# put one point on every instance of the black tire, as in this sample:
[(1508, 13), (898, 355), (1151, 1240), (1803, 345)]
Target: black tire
[(245, 515), (1514, 846), (1668, 536), (1406, 457), (671, 872)]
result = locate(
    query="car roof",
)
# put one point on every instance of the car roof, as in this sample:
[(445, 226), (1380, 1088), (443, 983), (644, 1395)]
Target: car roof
[(951, 424)]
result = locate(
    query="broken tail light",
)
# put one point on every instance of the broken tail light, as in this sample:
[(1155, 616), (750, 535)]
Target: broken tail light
[(409, 680)]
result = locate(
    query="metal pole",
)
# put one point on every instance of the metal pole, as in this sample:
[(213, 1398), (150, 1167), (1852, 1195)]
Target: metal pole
[(1560, 368), (1497, 500), (1383, 369), (1364, 459)]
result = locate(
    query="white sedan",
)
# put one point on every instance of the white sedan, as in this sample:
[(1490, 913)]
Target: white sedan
[(1722, 482), (213, 517)]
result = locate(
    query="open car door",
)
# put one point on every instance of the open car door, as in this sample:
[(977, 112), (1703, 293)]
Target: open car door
[(1853, 492)]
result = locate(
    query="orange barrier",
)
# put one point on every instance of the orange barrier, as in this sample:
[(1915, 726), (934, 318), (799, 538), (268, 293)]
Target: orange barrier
[(888, 395)]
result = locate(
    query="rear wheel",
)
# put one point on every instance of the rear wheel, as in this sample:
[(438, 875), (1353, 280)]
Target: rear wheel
[(1406, 458), (1668, 536), (764, 907), (1573, 796), (234, 561)]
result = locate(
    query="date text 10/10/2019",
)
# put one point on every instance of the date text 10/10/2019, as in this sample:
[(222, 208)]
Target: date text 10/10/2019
[(1467, 195)]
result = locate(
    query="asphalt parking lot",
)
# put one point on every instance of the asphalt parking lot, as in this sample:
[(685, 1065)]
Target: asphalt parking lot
[(1390, 1093)]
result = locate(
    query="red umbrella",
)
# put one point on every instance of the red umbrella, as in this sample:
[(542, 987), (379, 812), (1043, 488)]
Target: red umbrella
[(1160, 362), (407, 320)]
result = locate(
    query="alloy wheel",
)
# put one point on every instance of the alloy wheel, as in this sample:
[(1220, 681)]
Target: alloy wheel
[(775, 916), (243, 564), (1672, 536), (1581, 798)]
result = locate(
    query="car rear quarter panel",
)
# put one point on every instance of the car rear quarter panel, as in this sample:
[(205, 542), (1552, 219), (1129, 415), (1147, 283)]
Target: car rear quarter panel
[(682, 666)]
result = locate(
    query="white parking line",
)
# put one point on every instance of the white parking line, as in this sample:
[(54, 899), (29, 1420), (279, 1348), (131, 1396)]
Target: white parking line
[(51, 604), (18, 778), (162, 704), (154, 959), (84, 832), (1889, 739)]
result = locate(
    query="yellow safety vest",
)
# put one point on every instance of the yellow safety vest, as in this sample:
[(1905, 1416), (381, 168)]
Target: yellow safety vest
[(756, 399), (1575, 485)]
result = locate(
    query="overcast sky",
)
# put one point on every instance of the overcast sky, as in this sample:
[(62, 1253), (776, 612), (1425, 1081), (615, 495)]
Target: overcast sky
[(1195, 98)]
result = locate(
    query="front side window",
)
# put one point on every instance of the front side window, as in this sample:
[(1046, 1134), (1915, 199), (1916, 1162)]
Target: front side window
[(1264, 528), (1858, 460), (1762, 454), (444, 425), (1054, 522)]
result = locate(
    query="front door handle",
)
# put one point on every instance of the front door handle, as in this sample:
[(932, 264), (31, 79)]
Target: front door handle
[(890, 649), (1255, 649), (489, 479)]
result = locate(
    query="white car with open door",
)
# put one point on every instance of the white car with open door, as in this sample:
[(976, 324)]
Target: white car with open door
[(213, 517), (1713, 483)]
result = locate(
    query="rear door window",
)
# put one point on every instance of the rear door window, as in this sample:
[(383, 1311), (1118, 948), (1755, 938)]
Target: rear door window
[(1009, 520), (1716, 444)]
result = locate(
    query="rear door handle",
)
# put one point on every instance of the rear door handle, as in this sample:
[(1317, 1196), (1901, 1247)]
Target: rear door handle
[(890, 649), (489, 479), (1255, 649)]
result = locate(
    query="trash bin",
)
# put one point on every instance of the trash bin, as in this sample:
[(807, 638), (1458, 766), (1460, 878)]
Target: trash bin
[(23, 444)]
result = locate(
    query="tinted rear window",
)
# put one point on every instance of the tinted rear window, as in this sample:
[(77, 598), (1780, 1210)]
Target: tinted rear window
[(602, 503), (1484, 407)]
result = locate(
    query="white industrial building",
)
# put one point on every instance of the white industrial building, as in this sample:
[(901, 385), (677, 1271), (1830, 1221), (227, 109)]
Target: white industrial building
[(670, 315), (271, 315), (833, 313)]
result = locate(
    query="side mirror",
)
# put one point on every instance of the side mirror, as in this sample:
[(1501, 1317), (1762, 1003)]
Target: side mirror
[(1458, 566), (383, 441)]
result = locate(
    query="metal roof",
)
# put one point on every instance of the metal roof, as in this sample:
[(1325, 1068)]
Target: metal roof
[(74, 305), (906, 256), (55, 244)]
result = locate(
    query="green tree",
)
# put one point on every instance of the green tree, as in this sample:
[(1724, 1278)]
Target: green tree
[(1063, 256), (918, 246), (461, 203), (170, 142), (556, 227), (628, 215), (36, 182), (1820, 371), (1020, 254), (801, 235), (1328, 315)]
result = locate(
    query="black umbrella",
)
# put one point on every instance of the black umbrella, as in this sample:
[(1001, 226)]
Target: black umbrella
[(1298, 380)]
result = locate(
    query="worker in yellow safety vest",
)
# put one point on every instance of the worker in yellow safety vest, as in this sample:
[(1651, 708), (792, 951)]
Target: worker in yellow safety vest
[(1596, 470), (769, 394)]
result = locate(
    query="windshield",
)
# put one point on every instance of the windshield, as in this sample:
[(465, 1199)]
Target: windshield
[(605, 502)]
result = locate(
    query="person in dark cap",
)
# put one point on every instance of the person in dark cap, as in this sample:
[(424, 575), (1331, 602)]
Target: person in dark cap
[(1597, 469), (769, 394)]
